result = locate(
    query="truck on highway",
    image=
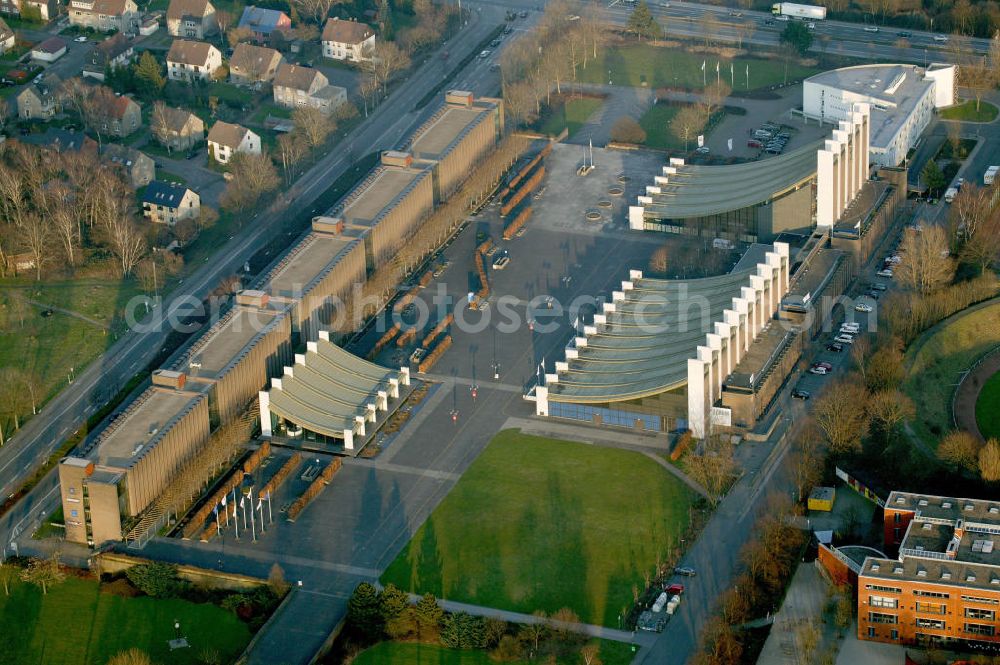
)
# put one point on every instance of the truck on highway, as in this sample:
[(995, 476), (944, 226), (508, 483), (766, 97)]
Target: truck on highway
[(804, 12), (990, 175)]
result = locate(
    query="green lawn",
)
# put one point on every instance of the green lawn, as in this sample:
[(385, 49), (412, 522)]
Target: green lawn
[(76, 624), (967, 111), (659, 67), (50, 346), (406, 653), (988, 408), (569, 115), (656, 123), (540, 524), (935, 361)]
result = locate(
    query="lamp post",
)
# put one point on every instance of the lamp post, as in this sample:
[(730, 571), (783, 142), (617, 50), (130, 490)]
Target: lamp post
[(177, 629)]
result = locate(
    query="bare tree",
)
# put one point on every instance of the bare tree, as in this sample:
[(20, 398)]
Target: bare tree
[(989, 461), (591, 654), (960, 449), (113, 214), (44, 573), (159, 124), (382, 60), (315, 10), (975, 226), (713, 97), (686, 124), (9, 573), (841, 416), (314, 125), (34, 235), (223, 20), (130, 657), (928, 265), (253, 176), (888, 409), (291, 149)]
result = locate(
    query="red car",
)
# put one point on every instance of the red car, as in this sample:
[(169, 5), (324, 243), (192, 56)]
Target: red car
[(754, 143), (675, 589)]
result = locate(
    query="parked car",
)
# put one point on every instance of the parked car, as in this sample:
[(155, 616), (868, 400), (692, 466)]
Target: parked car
[(81, 39), (835, 348), (675, 589), (941, 38), (817, 370), (904, 33), (825, 365), (484, 54), (844, 339), (798, 393), (685, 571), (754, 143), (862, 307), (887, 273), (871, 28), (880, 287), (703, 150)]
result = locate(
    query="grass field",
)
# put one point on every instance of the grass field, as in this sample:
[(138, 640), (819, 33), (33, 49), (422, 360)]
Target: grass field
[(76, 624), (50, 346), (988, 408), (935, 360), (659, 67), (967, 111), (656, 123), (405, 653), (570, 115), (540, 524)]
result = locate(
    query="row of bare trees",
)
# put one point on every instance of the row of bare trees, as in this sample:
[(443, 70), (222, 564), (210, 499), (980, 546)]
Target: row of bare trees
[(549, 58), (54, 205)]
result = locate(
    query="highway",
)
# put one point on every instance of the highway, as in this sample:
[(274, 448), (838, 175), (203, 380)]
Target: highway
[(136, 349)]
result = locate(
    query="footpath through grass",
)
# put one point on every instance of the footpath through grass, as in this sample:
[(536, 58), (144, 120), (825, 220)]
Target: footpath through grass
[(988, 408), (935, 362), (407, 653), (966, 111), (541, 524), (77, 624), (659, 67)]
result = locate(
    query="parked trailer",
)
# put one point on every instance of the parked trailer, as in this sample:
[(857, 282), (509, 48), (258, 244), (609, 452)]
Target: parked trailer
[(805, 12), (990, 175)]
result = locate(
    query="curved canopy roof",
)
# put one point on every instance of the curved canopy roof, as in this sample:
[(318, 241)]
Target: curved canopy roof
[(644, 347), (700, 191), (326, 393)]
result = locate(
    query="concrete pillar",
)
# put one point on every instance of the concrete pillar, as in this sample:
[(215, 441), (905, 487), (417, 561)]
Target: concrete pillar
[(749, 296), (371, 412), (382, 400), (312, 346), (359, 425), (732, 319), (725, 331), (696, 398), (541, 401), (824, 187), (394, 388), (714, 342), (324, 335), (348, 439), (404, 375), (264, 400)]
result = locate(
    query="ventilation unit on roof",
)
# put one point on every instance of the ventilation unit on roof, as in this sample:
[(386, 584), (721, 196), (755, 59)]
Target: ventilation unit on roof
[(946, 504), (945, 575), (921, 573), (969, 507), (898, 570), (927, 526), (923, 502), (875, 567)]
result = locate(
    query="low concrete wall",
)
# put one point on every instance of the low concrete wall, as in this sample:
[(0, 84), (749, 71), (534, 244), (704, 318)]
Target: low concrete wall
[(115, 562)]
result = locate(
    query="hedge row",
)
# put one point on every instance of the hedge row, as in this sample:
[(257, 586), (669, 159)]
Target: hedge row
[(434, 355), (384, 340), (406, 337), (194, 525), (314, 488), (275, 482), (526, 189), (519, 221), (437, 330)]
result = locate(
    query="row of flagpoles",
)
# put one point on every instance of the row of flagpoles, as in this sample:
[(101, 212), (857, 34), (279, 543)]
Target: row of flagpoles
[(245, 501), (732, 73)]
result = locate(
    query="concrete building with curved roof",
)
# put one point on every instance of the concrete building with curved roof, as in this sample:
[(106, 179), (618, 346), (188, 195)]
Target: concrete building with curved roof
[(330, 396), (656, 356), (748, 202)]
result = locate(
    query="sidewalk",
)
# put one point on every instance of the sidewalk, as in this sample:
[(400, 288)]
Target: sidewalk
[(803, 606)]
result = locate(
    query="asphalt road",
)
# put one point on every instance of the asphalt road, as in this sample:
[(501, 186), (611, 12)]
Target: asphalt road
[(133, 352)]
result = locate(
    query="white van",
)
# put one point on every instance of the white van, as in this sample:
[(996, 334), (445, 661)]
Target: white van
[(950, 194)]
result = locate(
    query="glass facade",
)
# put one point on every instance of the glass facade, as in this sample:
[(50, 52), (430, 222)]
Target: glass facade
[(740, 225), (615, 417)]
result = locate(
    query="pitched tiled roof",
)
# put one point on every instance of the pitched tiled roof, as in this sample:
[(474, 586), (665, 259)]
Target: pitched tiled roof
[(116, 108), (105, 7), (113, 46), (346, 32), (164, 194), (261, 20), (50, 45), (247, 57), (178, 9), (296, 77), (227, 134), (175, 119), (189, 52), (123, 155)]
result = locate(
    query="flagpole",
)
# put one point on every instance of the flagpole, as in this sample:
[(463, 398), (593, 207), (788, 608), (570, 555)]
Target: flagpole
[(218, 527), (236, 522), (243, 505), (253, 525), (270, 516)]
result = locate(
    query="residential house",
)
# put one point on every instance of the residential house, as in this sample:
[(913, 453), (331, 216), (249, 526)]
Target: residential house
[(346, 40), (105, 15), (40, 100), (114, 52), (61, 140), (193, 19), (252, 65), (139, 167), (226, 139), (189, 60), (30, 10), (263, 22), (297, 87), (120, 116), (182, 130), (167, 203), (7, 38), (49, 50)]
